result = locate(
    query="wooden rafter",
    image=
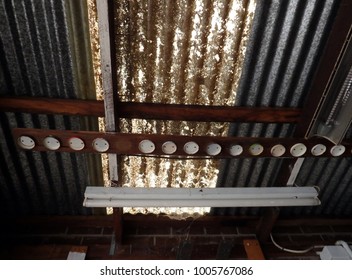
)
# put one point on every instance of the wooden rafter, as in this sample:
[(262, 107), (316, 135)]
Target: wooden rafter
[(154, 111), (207, 113), (266, 223), (54, 106)]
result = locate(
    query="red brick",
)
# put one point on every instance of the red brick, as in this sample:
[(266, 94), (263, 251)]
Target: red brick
[(287, 229), (201, 252), (308, 240), (238, 252), (96, 240), (246, 230), (108, 230), (332, 238), (280, 238), (205, 240), (153, 231), (84, 230), (38, 229), (62, 240), (221, 230), (144, 241), (344, 229), (316, 229), (167, 241)]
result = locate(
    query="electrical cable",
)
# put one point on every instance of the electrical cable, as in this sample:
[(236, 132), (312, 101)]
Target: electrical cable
[(293, 251)]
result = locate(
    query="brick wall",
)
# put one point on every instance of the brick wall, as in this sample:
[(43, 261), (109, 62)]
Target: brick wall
[(303, 236), (52, 238)]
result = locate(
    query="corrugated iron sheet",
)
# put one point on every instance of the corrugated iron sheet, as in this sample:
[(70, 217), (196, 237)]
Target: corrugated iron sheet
[(42, 55), (180, 52), (184, 52), (45, 52), (334, 178), (283, 52)]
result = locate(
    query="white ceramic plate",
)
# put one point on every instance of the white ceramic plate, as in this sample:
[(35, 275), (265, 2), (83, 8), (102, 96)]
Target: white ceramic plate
[(191, 148), (169, 147), (278, 150), (146, 146), (100, 145), (51, 143), (26, 142), (298, 150)]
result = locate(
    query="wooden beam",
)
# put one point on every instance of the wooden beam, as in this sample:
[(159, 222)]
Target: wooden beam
[(267, 223), (128, 144), (35, 105), (43, 105), (108, 65), (253, 249), (118, 225), (77, 253), (207, 113)]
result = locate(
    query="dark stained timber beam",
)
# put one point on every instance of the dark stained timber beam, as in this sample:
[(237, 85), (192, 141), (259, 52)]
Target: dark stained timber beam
[(53, 106), (154, 111), (172, 146), (118, 225), (207, 113), (266, 223)]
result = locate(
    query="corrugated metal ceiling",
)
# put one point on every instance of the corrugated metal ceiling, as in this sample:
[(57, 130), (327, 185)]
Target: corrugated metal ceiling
[(282, 55), (178, 52), (41, 56), (44, 53)]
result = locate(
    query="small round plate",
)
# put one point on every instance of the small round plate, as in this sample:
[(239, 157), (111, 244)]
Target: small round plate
[(76, 143), (100, 145), (236, 150), (278, 150), (337, 150), (146, 146), (213, 149), (256, 149), (51, 143), (318, 150), (298, 150), (191, 148), (26, 142), (169, 147)]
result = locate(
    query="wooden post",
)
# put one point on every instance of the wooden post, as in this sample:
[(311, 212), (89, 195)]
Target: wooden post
[(266, 223), (253, 249), (77, 253), (118, 225)]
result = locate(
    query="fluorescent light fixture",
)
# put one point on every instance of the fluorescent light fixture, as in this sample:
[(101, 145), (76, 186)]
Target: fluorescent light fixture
[(205, 197), (334, 116)]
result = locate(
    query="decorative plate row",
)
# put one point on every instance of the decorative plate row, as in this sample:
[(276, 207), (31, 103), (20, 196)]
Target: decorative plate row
[(178, 146)]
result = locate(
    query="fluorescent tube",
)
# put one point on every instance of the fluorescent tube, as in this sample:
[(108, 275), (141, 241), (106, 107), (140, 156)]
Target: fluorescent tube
[(218, 197)]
